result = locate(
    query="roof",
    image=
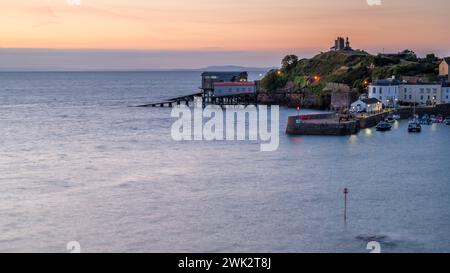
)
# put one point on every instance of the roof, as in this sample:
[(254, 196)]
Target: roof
[(421, 83), (224, 74), (370, 101), (447, 60), (446, 84), (386, 82), (234, 84)]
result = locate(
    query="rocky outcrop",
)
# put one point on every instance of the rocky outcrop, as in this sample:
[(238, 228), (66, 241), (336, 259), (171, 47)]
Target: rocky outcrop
[(293, 100)]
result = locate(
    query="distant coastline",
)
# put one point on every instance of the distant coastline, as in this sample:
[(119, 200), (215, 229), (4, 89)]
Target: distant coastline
[(209, 68)]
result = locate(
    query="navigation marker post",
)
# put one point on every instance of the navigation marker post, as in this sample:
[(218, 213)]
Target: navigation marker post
[(345, 204)]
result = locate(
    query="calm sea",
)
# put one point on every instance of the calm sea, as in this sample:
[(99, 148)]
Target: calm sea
[(78, 164)]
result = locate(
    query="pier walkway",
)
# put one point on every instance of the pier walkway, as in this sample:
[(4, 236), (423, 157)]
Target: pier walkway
[(240, 99), (174, 101)]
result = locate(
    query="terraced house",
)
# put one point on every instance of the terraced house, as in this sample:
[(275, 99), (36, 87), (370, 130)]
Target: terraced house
[(421, 93), (391, 91), (446, 92), (386, 91)]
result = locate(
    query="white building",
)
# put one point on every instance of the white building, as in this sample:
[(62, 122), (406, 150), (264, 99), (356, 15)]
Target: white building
[(386, 91), (421, 93), (391, 91), (446, 93), (366, 105)]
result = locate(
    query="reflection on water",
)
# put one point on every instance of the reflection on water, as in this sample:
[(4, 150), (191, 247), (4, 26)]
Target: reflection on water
[(296, 139), (353, 139), (77, 164), (396, 124), (434, 127)]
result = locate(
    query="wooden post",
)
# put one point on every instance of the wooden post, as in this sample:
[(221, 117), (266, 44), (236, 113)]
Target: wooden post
[(345, 204)]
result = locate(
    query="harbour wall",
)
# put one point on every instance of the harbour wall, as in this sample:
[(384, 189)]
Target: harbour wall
[(327, 124), (371, 121), (442, 109), (300, 126)]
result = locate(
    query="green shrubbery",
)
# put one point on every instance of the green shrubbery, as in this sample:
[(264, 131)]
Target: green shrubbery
[(351, 68)]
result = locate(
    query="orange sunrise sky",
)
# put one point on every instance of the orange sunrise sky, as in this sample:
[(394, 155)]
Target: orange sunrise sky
[(259, 26)]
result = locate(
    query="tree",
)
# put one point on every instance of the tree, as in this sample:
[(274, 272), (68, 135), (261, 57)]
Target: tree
[(431, 58), (273, 80), (289, 62)]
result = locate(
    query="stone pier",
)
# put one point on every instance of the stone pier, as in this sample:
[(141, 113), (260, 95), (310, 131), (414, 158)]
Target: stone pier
[(322, 124)]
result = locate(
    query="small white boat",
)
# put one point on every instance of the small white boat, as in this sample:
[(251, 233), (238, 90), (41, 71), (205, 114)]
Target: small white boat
[(414, 127), (383, 126), (396, 116)]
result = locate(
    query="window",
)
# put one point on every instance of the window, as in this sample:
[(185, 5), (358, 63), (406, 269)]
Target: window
[(374, 90), (422, 90), (410, 97), (428, 90), (434, 90), (421, 97), (446, 97), (381, 97), (405, 97), (428, 97), (381, 90)]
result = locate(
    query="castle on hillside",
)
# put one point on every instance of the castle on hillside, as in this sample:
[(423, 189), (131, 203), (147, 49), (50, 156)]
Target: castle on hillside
[(341, 44)]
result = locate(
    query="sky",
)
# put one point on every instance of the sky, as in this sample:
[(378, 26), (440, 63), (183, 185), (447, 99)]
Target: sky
[(117, 34)]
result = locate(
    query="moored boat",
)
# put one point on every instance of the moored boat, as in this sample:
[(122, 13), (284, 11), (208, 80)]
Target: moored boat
[(390, 119), (383, 126), (425, 121), (414, 127), (447, 121)]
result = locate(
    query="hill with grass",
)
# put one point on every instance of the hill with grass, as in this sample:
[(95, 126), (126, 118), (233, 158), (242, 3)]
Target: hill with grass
[(353, 68)]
